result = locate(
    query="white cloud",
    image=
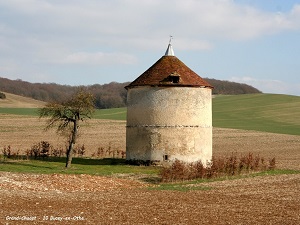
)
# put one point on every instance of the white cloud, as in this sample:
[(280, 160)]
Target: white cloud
[(98, 58), (195, 21), (294, 17)]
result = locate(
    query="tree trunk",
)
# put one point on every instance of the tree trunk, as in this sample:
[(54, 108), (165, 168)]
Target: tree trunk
[(71, 144)]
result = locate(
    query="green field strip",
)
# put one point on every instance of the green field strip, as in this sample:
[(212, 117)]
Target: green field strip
[(20, 111), (111, 114)]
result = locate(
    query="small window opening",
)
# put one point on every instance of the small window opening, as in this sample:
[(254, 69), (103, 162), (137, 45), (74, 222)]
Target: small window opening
[(174, 79), (166, 157)]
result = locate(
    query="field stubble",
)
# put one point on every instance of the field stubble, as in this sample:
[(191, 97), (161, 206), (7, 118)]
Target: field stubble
[(21, 133)]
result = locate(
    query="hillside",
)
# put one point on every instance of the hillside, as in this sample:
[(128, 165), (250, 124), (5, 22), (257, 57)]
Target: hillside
[(112, 95), (262, 112), (17, 101)]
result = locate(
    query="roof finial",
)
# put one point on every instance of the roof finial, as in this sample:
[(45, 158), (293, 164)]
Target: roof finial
[(170, 51)]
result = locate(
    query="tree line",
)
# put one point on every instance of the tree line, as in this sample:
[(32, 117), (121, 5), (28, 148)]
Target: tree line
[(111, 95), (222, 87)]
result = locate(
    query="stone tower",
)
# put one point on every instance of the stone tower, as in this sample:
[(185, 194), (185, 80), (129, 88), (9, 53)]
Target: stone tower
[(169, 114)]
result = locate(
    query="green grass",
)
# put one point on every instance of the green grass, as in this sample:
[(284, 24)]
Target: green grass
[(20, 111), (262, 112), (103, 167), (111, 114)]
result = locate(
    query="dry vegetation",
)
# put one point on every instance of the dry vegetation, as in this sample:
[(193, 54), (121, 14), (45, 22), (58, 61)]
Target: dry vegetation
[(17, 101), (109, 200)]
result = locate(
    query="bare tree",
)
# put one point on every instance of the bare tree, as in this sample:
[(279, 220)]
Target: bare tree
[(67, 115)]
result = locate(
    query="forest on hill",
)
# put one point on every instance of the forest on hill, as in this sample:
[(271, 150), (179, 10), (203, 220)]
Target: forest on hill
[(112, 95)]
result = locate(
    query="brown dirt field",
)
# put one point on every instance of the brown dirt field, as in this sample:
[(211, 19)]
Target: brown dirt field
[(85, 199), (101, 200)]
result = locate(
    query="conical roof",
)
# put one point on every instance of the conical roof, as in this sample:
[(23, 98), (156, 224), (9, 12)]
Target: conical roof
[(169, 71)]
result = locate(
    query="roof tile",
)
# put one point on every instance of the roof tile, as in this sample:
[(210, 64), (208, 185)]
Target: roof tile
[(169, 71)]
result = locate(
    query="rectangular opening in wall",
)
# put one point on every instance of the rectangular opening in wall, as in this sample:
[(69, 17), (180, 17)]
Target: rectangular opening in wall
[(174, 79), (166, 157)]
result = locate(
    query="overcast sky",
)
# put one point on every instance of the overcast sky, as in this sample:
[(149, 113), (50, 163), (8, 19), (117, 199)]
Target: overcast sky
[(82, 42)]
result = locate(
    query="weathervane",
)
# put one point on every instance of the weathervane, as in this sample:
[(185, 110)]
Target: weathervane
[(171, 37)]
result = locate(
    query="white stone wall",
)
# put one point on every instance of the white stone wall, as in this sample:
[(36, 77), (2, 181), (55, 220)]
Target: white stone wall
[(169, 123)]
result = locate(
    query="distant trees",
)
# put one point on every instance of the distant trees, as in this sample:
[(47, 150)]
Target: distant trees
[(230, 88), (112, 95), (44, 92), (67, 116), (2, 95)]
